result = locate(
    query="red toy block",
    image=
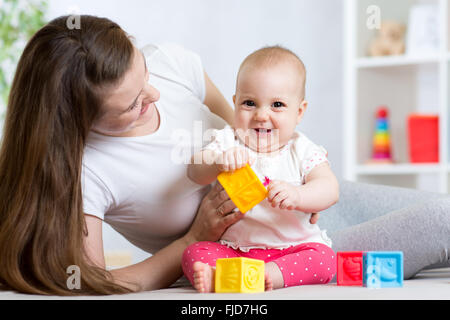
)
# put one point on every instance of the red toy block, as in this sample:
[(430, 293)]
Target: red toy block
[(350, 268), (423, 134)]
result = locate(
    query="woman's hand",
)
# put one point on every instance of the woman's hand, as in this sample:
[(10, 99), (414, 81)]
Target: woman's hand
[(314, 218), (214, 216)]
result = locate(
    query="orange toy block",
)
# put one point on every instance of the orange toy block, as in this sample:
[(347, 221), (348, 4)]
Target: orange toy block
[(243, 187)]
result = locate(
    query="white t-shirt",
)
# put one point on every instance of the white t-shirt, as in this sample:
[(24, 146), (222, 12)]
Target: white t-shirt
[(264, 226), (138, 184)]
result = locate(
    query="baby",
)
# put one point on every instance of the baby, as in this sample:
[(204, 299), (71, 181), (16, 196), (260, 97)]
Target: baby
[(269, 104)]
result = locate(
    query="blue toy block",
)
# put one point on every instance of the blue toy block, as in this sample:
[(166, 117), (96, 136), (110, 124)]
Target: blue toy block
[(383, 269)]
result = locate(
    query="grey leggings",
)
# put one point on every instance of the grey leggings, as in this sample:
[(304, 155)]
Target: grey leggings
[(382, 218)]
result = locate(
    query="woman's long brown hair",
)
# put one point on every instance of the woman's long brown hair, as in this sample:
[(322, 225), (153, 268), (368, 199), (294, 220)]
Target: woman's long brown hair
[(54, 100)]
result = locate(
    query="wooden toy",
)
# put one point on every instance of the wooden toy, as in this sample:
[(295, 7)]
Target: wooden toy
[(243, 187), (350, 268), (239, 275), (423, 136)]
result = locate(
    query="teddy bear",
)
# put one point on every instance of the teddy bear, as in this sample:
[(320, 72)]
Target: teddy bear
[(389, 40)]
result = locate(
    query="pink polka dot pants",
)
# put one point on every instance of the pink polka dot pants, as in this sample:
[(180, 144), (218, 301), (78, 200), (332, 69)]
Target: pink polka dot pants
[(306, 263)]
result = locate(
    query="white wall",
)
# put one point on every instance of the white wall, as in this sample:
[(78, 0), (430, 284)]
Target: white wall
[(224, 32)]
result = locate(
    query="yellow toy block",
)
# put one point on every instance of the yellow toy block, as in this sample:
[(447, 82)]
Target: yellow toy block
[(243, 187), (236, 275)]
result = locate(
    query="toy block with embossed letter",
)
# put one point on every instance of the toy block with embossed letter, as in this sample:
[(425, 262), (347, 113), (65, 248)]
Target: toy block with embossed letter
[(383, 269), (371, 269), (350, 268), (236, 275), (243, 187)]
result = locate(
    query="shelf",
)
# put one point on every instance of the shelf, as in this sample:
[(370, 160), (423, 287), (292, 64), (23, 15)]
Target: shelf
[(401, 60), (412, 82), (397, 169)]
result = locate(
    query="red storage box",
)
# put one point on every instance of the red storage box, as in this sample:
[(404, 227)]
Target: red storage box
[(423, 136)]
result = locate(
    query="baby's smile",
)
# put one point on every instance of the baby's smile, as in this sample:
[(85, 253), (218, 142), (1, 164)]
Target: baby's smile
[(262, 131)]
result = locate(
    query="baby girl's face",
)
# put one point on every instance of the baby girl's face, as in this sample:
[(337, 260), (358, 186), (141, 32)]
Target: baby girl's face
[(268, 105)]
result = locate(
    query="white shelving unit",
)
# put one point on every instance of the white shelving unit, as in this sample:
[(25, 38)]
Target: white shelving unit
[(405, 84)]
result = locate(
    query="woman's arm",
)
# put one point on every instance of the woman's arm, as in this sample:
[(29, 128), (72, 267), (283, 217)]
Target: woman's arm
[(155, 272), (216, 102), (93, 243), (164, 267)]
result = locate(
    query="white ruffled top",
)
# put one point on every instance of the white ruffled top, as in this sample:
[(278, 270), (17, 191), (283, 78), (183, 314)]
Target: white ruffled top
[(265, 227)]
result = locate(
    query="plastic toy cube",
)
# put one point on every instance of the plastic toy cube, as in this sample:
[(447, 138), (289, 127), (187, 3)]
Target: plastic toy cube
[(350, 268), (383, 269), (243, 187), (243, 275)]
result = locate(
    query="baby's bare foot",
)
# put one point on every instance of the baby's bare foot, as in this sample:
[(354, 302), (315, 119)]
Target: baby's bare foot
[(268, 284), (203, 277)]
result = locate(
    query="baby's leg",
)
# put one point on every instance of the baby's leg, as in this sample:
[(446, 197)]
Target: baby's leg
[(199, 262), (308, 263)]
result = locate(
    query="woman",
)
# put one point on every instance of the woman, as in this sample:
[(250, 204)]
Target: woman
[(69, 82), (88, 137)]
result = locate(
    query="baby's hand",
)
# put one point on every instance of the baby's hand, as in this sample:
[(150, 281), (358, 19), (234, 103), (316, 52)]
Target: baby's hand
[(233, 159), (282, 194)]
